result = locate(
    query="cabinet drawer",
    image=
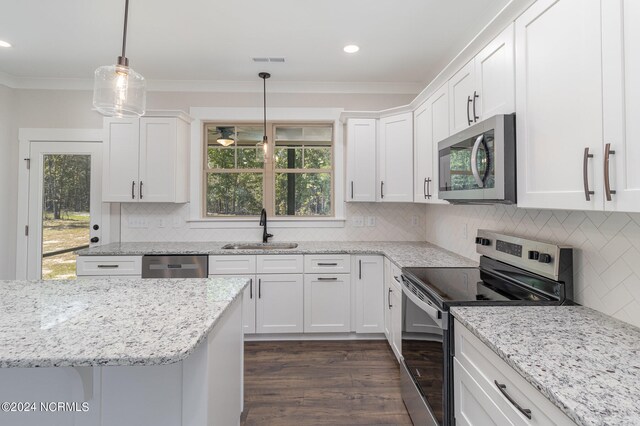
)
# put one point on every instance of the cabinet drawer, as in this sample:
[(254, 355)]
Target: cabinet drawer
[(108, 265), (327, 264), (232, 265), (486, 368), (280, 264)]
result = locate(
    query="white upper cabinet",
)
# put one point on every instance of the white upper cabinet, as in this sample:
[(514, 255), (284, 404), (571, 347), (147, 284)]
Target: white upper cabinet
[(485, 86), (395, 158), (431, 125), (621, 92), (121, 151), (495, 76), (146, 159), (462, 87), (361, 159), (559, 105)]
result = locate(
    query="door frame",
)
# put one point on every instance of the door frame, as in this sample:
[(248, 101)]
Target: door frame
[(25, 137)]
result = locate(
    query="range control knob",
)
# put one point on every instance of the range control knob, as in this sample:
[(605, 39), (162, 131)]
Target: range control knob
[(544, 258), (534, 255), (483, 241)]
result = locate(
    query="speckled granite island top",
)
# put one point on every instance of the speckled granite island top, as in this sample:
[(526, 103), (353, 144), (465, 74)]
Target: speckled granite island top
[(585, 362), (109, 321), (403, 254)]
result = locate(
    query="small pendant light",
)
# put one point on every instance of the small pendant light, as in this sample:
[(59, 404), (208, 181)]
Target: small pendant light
[(118, 90), (265, 141)]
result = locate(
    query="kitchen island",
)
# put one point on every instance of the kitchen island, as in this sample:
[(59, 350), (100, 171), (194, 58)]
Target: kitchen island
[(121, 351)]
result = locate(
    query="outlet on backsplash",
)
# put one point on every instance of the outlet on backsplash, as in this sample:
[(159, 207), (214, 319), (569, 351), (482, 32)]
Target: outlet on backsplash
[(371, 221), (464, 231), (414, 220)]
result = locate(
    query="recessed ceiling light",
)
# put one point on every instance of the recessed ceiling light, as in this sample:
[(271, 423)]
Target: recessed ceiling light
[(351, 48), (4, 44)]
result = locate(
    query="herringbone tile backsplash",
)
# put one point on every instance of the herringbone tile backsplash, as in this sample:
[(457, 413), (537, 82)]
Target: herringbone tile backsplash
[(606, 247), (168, 222)]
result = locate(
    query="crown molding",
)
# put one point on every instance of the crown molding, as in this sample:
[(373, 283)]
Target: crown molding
[(376, 88)]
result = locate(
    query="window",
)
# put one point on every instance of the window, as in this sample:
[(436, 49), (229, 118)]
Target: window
[(295, 180)]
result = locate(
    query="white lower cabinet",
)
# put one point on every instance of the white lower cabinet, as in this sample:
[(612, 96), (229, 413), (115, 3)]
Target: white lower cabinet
[(279, 307), (248, 302), (393, 307), (487, 391), (327, 303), (369, 304)]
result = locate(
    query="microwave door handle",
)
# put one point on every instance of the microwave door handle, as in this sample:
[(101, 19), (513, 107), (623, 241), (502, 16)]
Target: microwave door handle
[(474, 161)]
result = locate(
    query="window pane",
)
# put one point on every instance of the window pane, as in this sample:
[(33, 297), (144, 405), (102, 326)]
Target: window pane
[(234, 194), (288, 158), (303, 194), (249, 157), (220, 157), (317, 158)]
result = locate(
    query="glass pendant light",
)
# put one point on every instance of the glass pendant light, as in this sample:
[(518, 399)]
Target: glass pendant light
[(119, 91), (264, 145)]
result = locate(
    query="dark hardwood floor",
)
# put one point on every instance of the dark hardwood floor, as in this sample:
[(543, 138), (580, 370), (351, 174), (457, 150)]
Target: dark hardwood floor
[(322, 383)]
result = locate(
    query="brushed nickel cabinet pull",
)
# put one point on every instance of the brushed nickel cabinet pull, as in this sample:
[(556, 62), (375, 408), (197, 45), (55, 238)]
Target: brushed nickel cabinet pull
[(607, 183), (585, 174), (503, 390)]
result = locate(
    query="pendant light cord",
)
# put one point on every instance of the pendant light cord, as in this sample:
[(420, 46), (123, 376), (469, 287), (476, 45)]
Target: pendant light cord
[(124, 32), (264, 103)]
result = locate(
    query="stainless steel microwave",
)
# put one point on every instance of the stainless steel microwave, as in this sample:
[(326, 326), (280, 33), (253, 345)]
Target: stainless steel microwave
[(478, 164)]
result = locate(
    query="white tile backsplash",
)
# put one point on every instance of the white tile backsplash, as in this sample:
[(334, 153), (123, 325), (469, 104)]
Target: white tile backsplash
[(168, 222), (606, 246)]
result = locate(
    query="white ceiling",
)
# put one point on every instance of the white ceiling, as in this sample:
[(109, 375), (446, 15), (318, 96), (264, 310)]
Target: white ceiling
[(401, 41)]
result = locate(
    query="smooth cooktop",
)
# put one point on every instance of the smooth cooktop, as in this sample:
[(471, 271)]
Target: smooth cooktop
[(453, 286)]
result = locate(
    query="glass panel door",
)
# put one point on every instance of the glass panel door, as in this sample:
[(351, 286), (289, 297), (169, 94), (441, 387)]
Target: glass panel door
[(65, 212), (65, 207)]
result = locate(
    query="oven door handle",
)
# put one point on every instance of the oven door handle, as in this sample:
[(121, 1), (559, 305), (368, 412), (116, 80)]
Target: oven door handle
[(474, 161), (436, 314)]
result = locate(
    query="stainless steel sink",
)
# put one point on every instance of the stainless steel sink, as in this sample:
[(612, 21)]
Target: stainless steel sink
[(260, 246)]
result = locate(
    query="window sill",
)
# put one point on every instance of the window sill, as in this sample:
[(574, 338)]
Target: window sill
[(252, 223)]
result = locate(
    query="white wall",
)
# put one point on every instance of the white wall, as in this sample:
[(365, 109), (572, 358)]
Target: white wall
[(606, 247), (8, 182)]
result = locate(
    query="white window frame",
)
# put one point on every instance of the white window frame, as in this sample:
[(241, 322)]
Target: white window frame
[(202, 115)]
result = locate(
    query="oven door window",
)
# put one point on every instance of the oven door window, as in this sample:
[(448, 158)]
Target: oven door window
[(469, 164), (422, 349)]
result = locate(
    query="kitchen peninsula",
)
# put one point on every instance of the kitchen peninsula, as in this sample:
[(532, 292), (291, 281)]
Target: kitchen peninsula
[(152, 351)]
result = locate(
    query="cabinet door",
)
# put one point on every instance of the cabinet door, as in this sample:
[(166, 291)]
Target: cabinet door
[(327, 303), (559, 104), (361, 160), (621, 91), (395, 159), (495, 77), (473, 407), (249, 297), (157, 159), (279, 308), (369, 294), (423, 154), (120, 160), (396, 321), (387, 312), (431, 125), (461, 88)]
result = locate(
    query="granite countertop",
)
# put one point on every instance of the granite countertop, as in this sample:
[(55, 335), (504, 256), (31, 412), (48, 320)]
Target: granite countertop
[(109, 321), (585, 362), (403, 254)]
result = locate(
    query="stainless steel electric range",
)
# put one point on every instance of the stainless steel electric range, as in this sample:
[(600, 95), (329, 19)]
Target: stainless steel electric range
[(512, 271)]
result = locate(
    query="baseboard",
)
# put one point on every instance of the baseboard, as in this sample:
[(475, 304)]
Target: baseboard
[(314, 336)]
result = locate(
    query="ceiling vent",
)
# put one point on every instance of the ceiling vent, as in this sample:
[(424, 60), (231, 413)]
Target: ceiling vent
[(281, 60)]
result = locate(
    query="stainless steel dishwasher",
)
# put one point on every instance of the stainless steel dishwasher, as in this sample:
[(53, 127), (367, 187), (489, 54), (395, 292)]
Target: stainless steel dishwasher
[(175, 266)]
